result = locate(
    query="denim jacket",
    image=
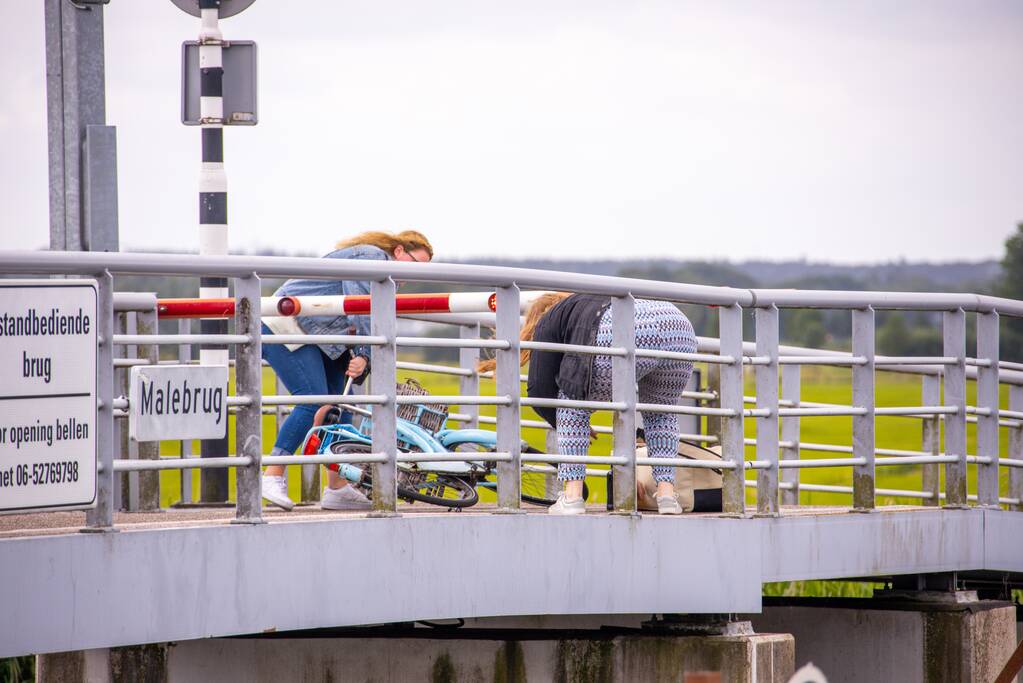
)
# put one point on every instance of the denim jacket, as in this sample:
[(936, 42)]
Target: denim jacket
[(342, 324)]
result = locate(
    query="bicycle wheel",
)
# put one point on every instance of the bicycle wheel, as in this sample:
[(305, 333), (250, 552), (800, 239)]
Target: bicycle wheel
[(365, 484), (437, 489), (539, 485)]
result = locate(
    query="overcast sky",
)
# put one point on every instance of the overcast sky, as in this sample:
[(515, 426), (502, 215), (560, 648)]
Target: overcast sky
[(839, 131)]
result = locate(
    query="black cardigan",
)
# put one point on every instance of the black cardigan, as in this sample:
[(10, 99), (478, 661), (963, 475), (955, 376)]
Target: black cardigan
[(572, 321)]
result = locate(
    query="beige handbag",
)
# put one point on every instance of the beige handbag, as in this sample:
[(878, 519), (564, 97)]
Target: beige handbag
[(696, 489)]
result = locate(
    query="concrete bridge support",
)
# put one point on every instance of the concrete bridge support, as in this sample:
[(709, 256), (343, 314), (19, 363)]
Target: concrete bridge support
[(436, 657), (935, 638)]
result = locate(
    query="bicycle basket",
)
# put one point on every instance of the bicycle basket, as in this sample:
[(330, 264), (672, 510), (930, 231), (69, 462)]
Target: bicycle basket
[(430, 418)]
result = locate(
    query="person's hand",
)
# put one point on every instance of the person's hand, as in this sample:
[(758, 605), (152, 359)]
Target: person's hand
[(356, 367), (593, 434)]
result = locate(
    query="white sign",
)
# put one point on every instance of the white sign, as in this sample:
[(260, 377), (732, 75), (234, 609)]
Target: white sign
[(178, 402), (47, 394)]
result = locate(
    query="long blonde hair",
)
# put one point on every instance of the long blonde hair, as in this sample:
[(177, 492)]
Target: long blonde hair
[(537, 310), (388, 241)]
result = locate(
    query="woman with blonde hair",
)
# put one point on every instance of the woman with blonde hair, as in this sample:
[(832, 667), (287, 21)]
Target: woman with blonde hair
[(310, 369), (585, 319)]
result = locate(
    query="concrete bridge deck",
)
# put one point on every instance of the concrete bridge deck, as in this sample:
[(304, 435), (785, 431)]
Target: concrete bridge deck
[(185, 574)]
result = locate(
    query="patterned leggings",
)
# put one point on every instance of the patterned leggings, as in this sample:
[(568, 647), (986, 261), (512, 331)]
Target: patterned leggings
[(659, 326)]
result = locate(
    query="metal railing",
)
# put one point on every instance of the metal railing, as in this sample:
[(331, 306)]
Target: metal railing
[(776, 462)]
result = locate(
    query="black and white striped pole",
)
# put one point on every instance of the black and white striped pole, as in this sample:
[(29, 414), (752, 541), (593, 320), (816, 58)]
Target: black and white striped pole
[(211, 118), (212, 216)]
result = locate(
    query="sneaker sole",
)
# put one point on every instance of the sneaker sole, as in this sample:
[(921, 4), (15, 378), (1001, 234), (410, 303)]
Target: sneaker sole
[(565, 513), (285, 504)]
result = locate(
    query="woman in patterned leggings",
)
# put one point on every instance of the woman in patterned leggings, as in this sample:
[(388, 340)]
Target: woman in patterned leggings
[(586, 319)]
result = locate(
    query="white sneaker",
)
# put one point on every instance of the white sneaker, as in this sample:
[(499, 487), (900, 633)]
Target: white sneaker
[(567, 506), (275, 490), (344, 498), (668, 505)]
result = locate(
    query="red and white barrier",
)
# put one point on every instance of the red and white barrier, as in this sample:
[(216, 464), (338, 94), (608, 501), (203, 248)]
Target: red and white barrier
[(358, 304)]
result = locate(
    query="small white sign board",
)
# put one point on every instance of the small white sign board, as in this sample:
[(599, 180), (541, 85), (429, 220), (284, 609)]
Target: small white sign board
[(47, 394), (176, 402)]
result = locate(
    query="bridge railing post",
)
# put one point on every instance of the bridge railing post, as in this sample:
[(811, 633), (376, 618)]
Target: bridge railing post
[(123, 487), (930, 395), (987, 409), (863, 427), (101, 517), (730, 397), (767, 399), (248, 373), (506, 377), (383, 380), (623, 390), (184, 357), (1016, 448), (469, 385), (148, 482), (954, 333), (790, 392)]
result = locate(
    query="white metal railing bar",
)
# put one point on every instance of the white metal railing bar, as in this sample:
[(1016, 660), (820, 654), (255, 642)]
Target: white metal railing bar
[(835, 462), (169, 339), (448, 400), (323, 459), (568, 403), (822, 360), (347, 339), (614, 351), (679, 355), (181, 464), (321, 399), (451, 343)]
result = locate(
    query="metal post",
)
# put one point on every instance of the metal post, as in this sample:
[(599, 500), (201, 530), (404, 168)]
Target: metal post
[(248, 373), (122, 493), (75, 101), (767, 399), (383, 380), (1016, 448), (930, 395), (552, 487), (184, 357), (623, 390), (790, 391), (713, 422), (310, 474), (506, 377), (99, 220), (863, 397), (469, 386), (212, 215), (954, 332), (101, 517), (130, 490), (987, 404), (730, 397), (148, 482)]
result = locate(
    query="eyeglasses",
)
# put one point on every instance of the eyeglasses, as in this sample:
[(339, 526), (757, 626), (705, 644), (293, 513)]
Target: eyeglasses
[(413, 257)]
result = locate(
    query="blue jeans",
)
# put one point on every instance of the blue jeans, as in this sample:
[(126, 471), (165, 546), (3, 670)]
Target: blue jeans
[(304, 371)]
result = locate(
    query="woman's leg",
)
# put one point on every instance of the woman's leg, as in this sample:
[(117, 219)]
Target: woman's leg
[(573, 439), (302, 372), (662, 327)]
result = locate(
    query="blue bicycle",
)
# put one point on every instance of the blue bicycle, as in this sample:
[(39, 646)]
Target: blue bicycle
[(420, 429)]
